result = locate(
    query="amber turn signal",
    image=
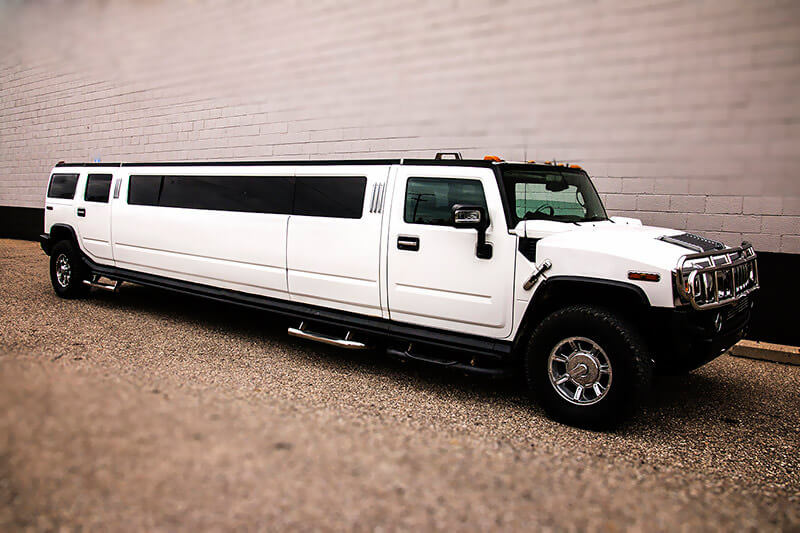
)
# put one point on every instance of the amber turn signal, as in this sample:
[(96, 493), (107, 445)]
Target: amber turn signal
[(644, 276)]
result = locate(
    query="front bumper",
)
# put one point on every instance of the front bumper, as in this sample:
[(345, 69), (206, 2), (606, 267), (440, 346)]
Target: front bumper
[(687, 337)]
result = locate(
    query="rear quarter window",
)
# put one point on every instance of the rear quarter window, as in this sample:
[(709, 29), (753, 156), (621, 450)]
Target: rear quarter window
[(336, 197), (144, 190), (62, 186)]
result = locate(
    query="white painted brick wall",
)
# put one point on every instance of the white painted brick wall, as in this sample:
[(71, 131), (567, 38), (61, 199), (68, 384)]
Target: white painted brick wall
[(685, 112)]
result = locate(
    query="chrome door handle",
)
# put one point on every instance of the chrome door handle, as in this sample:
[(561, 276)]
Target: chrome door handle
[(408, 243)]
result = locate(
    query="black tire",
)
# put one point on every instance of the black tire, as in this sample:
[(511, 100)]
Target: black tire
[(621, 347), (67, 283)]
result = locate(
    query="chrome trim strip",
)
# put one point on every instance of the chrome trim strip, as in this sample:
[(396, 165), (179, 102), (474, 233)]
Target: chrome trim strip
[(381, 195), (374, 199)]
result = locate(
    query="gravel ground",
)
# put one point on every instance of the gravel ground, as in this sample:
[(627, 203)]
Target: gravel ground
[(147, 410)]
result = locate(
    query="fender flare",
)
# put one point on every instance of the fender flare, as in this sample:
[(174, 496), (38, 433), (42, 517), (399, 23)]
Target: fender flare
[(58, 232), (538, 306)]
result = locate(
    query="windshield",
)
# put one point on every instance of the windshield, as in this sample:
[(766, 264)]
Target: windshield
[(558, 194)]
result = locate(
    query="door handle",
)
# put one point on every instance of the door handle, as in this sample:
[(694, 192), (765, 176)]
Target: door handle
[(81, 212), (408, 243)]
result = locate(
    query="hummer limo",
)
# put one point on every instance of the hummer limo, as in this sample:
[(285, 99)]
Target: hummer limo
[(484, 266)]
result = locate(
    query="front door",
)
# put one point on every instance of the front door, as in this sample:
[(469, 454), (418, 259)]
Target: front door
[(435, 277)]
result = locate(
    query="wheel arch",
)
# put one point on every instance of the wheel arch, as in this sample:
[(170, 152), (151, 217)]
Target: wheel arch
[(61, 232), (559, 291)]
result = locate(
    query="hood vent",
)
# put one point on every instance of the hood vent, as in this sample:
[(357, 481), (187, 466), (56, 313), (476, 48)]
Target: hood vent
[(693, 242)]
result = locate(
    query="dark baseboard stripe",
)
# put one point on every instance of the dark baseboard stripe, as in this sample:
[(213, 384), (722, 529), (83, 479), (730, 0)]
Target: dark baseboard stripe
[(773, 317), (21, 222)]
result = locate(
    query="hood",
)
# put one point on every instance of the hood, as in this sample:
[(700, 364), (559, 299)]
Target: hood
[(625, 240)]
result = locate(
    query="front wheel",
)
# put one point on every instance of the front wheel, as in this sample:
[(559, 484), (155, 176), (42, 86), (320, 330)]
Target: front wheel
[(587, 366), (67, 271)]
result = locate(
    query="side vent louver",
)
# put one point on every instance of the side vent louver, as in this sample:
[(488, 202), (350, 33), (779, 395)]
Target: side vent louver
[(376, 204), (693, 242)]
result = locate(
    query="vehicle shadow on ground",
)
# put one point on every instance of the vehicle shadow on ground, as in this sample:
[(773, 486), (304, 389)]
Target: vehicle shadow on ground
[(677, 402)]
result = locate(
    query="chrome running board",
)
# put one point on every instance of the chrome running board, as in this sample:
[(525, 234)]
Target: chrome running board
[(105, 286), (346, 342)]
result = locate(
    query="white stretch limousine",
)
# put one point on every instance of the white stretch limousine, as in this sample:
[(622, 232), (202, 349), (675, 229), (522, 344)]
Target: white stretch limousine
[(480, 265)]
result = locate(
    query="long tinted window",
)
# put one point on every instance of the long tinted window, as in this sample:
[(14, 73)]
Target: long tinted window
[(430, 200), (143, 190), (62, 186), (341, 197), (97, 187), (253, 194)]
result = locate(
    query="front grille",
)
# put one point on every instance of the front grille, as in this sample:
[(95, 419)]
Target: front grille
[(716, 278), (738, 308)]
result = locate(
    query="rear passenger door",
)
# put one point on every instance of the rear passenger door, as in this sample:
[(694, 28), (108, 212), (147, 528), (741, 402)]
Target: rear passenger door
[(333, 247), (435, 278), (93, 212)]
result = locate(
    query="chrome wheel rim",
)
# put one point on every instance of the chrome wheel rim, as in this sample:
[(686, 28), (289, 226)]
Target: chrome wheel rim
[(579, 371), (63, 270)]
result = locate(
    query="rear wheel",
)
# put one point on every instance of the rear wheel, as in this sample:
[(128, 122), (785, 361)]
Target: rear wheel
[(67, 271), (587, 366)]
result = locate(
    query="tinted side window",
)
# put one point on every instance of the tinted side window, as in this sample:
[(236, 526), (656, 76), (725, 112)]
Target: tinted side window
[(429, 200), (341, 197), (144, 190), (253, 194), (62, 186), (97, 187)]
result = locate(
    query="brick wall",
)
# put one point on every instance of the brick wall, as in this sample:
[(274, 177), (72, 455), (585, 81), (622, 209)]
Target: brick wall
[(686, 113)]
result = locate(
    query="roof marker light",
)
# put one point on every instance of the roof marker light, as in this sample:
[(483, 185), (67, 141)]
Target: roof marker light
[(576, 166), (491, 158)]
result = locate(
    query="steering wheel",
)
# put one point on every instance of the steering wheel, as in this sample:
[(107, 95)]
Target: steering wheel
[(542, 207)]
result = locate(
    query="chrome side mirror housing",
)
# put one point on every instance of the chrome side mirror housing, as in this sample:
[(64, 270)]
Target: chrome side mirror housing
[(473, 217)]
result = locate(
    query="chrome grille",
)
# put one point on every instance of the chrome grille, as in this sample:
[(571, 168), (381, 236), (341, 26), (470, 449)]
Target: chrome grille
[(715, 278)]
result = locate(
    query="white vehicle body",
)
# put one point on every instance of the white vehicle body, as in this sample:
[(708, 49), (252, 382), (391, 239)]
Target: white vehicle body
[(374, 271)]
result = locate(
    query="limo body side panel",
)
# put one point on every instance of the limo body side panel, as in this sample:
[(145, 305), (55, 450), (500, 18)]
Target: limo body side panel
[(236, 250), (334, 261)]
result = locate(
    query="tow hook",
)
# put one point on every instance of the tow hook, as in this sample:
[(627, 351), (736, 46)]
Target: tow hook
[(537, 272)]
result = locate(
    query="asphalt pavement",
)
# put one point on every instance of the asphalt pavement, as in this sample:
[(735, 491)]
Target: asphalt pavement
[(146, 410)]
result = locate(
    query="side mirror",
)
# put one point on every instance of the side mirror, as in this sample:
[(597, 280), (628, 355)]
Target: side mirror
[(473, 217)]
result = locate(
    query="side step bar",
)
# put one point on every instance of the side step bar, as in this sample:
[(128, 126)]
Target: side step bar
[(346, 342), (105, 286), (447, 363)]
